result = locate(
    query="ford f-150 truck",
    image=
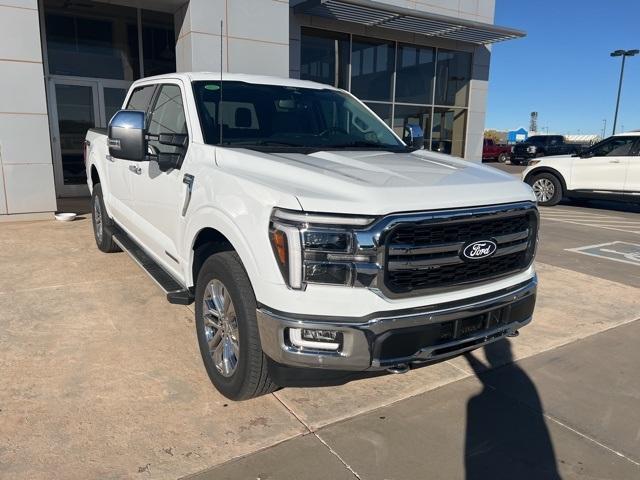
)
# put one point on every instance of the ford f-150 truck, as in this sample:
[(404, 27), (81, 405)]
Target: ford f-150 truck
[(306, 232), (543, 146)]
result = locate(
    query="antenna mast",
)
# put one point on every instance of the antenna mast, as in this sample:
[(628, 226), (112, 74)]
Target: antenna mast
[(220, 100)]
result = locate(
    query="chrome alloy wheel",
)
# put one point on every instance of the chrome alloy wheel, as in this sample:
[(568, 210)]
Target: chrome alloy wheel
[(544, 189), (97, 219), (221, 328)]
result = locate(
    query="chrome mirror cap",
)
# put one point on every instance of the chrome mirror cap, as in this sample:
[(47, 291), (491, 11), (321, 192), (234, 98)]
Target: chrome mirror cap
[(126, 139)]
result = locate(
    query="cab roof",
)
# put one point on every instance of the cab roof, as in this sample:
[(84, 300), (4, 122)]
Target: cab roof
[(238, 77)]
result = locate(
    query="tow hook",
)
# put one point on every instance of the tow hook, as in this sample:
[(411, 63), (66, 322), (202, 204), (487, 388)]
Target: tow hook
[(402, 368), (513, 334)]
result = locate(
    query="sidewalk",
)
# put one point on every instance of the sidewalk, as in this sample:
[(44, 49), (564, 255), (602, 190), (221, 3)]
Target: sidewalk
[(493, 426)]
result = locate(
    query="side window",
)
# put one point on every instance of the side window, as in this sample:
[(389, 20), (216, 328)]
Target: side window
[(614, 147), (167, 116), (555, 140), (140, 98)]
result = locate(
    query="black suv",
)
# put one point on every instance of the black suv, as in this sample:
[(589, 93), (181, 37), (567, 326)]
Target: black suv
[(542, 146)]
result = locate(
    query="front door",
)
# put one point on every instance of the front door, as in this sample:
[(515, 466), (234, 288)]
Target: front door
[(76, 106), (603, 167), (158, 196)]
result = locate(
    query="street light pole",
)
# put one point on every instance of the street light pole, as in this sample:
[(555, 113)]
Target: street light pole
[(624, 54)]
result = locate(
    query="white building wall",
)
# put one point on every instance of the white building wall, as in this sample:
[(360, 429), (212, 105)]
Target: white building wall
[(255, 36), (26, 169)]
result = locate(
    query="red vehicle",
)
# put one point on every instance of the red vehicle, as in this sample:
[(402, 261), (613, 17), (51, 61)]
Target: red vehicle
[(493, 151)]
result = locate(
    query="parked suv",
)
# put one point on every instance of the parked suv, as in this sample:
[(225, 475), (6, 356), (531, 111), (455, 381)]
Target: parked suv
[(306, 232), (608, 170), (542, 146)]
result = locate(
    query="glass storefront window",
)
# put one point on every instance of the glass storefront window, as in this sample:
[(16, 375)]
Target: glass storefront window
[(158, 43), (416, 115), (100, 43), (372, 64), (414, 74), (448, 131), (324, 57), (452, 78)]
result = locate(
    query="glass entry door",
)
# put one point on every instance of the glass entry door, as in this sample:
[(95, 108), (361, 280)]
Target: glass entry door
[(76, 106)]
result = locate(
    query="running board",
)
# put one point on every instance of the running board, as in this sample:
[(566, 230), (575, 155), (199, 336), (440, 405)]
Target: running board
[(176, 293)]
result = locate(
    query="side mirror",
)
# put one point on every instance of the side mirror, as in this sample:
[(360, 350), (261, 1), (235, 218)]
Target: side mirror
[(413, 136), (126, 138)]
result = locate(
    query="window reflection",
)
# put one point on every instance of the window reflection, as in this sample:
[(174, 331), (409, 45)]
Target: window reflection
[(324, 57), (453, 75), (158, 43), (412, 115), (449, 126), (102, 44), (414, 74), (371, 69)]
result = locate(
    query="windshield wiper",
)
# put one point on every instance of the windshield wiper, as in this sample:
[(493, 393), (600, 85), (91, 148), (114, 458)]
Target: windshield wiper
[(364, 144)]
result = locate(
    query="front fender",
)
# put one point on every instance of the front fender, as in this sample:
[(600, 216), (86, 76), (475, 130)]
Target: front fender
[(209, 217)]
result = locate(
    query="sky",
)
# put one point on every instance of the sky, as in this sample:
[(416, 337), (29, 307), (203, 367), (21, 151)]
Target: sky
[(562, 68)]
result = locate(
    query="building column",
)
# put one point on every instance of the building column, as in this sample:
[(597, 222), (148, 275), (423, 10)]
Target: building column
[(255, 36), (477, 103), (26, 168)]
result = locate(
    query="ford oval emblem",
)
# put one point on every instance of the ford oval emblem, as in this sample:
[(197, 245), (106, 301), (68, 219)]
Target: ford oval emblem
[(479, 250)]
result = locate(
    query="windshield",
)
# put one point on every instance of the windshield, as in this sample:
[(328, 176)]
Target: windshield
[(536, 139), (271, 117)]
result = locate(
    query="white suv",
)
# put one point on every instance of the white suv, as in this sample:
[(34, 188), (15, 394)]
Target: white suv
[(608, 170)]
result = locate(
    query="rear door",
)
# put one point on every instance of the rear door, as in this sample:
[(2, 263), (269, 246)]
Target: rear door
[(632, 182), (604, 169)]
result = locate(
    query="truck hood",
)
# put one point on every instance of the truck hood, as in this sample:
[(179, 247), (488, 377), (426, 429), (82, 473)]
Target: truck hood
[(376, 183)]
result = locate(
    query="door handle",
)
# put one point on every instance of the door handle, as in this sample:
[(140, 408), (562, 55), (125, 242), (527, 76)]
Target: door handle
[(188, 181), (614, 161), (135, 169)]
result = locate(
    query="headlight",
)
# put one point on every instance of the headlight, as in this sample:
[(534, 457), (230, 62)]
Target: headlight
[(513, 149), (532, 149), (315, 248)]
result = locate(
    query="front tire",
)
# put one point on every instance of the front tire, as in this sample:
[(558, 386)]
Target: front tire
[(547, 189), (103, 226), (227, 329)]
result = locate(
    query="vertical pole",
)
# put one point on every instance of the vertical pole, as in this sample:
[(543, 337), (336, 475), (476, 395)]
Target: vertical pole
[(615, 117)]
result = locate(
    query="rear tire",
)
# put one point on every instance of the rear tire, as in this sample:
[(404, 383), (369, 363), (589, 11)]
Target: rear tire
[(503, 157), (547, 189), (227, 329), (103, 226)]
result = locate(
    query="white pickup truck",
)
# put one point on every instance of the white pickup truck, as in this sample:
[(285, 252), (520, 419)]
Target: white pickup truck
[(307, 232)]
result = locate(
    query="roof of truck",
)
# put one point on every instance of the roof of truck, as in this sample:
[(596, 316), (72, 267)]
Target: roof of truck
[(238, 77)]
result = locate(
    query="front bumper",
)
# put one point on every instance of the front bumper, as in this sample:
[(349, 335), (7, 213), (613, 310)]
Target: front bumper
[(403, 337)]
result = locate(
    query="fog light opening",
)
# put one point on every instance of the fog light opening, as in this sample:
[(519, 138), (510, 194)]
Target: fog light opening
[(315, 339)]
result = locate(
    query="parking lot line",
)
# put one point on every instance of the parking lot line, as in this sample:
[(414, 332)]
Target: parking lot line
[(631, 256), (594, 220)]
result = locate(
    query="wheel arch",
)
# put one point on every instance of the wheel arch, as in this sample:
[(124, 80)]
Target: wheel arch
[(549, 170)]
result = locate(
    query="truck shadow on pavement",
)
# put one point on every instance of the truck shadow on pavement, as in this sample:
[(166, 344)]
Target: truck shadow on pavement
[(506, 438)]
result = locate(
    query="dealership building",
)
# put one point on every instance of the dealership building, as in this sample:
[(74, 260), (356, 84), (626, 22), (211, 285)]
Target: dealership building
[(66, 65)]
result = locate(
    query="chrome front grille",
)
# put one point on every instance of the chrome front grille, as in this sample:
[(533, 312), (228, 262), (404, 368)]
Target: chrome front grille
[(424, 254)]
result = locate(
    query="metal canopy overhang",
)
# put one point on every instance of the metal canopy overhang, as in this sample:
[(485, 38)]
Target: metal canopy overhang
[(375, 14)]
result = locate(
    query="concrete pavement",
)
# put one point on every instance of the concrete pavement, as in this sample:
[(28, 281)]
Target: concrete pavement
[(101, 378), (560, 414)]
